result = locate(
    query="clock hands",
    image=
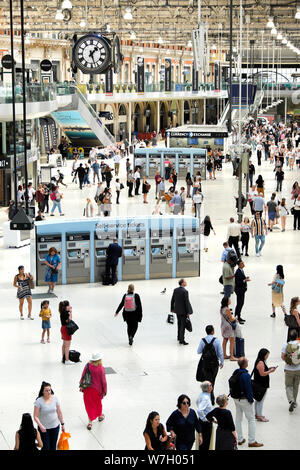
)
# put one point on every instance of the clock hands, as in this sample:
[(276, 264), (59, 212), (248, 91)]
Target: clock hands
[(92, 52)]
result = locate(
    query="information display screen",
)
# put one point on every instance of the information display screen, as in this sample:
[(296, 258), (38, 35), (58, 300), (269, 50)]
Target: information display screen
[(128, 252), (155, 251)]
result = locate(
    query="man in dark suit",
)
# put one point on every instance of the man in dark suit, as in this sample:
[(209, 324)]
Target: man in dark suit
[(240, 290), (180, 305), (113, 253)]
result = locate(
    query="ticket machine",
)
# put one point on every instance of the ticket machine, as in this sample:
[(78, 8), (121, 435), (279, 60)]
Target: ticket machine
[(44, 243), (78, 257), (154, 165), (188, 252), (199, 164), (102, 241), (161, 255), (140, 161), (169, 158), (134, 253), (183, 166)]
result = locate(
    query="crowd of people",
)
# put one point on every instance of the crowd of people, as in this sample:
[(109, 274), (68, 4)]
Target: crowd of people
[(185, 427)]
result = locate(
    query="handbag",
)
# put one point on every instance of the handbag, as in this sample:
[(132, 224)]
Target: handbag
[(121, 186), (170, 318), (257, 389), (290, 321), (54, 270), (31, 283), (71, 327), (86, 380), (293, 210), (188, 325)]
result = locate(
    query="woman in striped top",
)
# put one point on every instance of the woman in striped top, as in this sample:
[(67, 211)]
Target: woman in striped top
[(22, 283)]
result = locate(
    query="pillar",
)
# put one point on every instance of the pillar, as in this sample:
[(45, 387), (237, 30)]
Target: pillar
[(158, 117), (129, 122)]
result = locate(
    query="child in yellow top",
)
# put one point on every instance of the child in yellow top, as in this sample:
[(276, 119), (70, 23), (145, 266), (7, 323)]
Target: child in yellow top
[(45, 313)]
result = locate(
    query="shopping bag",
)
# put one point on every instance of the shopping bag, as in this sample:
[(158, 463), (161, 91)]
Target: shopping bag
[(63, 443)]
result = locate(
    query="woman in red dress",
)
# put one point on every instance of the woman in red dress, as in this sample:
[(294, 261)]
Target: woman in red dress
[(93, 395)]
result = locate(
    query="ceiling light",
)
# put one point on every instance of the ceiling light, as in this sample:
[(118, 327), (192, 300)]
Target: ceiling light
[(128, 14), (189, 44), (279, 36), (133, 36), (27, 40), (108, 28), (66, 5), (273, 31), (270, 23), (82, 24), (160, 40), (297, 16), (59, 15), (214, 47), (284, 41)]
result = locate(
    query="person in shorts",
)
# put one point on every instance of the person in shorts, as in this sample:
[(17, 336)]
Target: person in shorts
[(45, 314)]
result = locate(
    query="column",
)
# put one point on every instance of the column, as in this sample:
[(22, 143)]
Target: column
[(204, 111), (129, 121), (158, 117)]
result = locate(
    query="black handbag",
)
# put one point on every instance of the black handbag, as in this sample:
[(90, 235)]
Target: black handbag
[(292, 210), (258, 391), (290, 321), (71, 327), (170, 318), (188, 325), (54, 270)]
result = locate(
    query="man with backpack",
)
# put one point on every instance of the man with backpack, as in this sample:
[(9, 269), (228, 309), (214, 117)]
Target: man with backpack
[(290, 354), (240, 387), (212, 358)]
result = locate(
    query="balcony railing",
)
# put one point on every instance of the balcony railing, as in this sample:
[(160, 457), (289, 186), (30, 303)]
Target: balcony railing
[(149, 88)]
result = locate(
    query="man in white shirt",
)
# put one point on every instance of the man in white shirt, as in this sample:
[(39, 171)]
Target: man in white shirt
[(251, 195), (137, 177), (259, 204), (233, 235), (291, 369), (31, 193), (204, 406)]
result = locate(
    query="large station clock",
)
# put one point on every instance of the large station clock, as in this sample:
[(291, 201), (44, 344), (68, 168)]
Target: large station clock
[(92, 54)]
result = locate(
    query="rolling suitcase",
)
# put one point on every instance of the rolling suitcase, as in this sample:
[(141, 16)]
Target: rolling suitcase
[(239, 347)]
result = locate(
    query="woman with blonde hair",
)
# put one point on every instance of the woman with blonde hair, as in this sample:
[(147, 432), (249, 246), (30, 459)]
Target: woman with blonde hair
[(94, 387), (283, 212), (226, 436), (132, 311)]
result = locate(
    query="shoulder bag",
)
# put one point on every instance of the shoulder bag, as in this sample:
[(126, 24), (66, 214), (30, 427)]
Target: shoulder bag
[(290, 321), (71, 327), (232, 324), (257, 389), (86, 380)]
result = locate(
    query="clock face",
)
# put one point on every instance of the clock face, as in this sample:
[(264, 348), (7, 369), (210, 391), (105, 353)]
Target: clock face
[(91, 54)]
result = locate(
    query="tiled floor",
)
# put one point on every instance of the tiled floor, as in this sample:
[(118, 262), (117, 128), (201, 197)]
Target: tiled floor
[(152, 373)]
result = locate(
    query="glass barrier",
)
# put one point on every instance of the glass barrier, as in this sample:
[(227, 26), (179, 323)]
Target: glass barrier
[(34, 93)]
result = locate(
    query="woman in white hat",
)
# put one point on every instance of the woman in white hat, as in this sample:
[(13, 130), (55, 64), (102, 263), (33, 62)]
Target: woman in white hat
[(95, 388)]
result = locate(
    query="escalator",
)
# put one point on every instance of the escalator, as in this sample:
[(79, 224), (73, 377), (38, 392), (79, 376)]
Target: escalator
[(81, 123)]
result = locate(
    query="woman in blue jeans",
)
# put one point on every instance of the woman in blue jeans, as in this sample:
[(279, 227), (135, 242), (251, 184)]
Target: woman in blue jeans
[(48, 416), (183, 423)]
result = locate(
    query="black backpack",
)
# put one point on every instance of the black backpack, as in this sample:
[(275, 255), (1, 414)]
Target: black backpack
[(234, 385), (208, 362)]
